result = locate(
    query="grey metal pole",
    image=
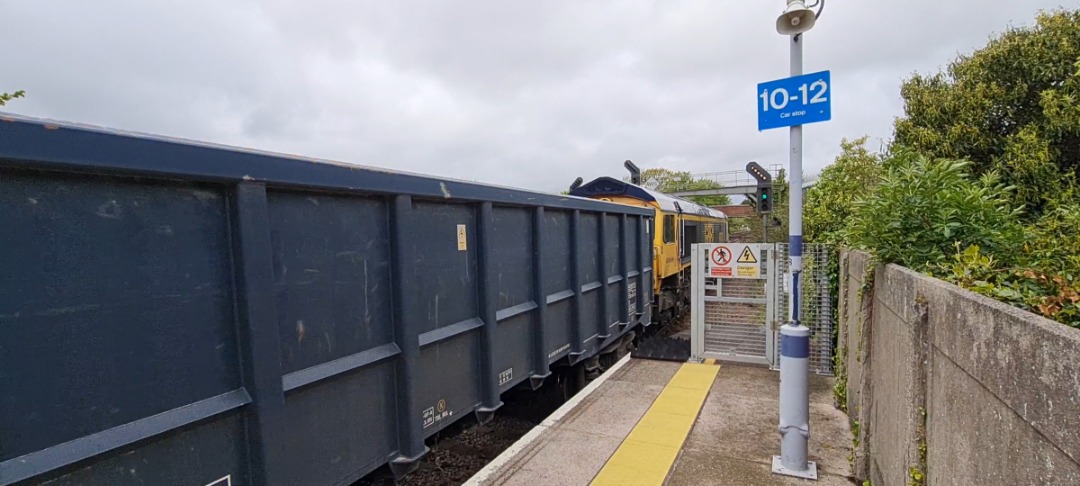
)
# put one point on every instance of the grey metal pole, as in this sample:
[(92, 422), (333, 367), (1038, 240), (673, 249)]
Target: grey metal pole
[(794, 337), (795, 190)]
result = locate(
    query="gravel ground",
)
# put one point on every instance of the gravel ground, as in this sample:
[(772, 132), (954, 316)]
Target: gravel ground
[(454, 459), (465, 448), (680, 325)]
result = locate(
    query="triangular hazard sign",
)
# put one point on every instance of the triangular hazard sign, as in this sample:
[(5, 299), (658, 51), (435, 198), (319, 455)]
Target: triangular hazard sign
[(747, 256)]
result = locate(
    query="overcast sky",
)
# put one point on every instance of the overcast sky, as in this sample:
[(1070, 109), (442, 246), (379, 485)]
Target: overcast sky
[(528, 94)]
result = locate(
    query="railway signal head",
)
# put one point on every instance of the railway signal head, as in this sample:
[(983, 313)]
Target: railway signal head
[(764, 199), (759, 173), (764, 186)]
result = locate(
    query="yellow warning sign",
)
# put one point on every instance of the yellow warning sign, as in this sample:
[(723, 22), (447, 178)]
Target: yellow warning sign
[(747, 256), (747, 271)]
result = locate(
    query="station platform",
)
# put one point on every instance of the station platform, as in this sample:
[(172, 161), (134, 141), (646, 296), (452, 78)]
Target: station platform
[(659, 422)]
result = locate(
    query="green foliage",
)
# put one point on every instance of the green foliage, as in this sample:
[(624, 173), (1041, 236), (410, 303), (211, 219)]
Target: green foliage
[(1053, 243), (866, 305), (1052, 295), (918, 473), (830, 202), (923, 206), (934, 216), (980, 186), (827, 208), (854, 442), (1012, 106), (840, 391), (916, 476), (674, 181), (6, 97)]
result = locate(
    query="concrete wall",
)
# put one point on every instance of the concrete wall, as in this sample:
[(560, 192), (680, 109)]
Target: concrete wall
[(1000, 387)]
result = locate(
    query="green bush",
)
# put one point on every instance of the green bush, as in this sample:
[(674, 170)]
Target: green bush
[(1052, 295), (923, 207), (1053, 242), (932, 215)]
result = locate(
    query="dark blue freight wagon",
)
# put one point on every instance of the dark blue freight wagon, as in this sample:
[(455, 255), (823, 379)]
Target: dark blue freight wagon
[(180, 313)]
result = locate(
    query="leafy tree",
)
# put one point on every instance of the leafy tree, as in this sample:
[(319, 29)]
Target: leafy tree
[(675, 181), (1012, 106), (829, 204), (6, 97)]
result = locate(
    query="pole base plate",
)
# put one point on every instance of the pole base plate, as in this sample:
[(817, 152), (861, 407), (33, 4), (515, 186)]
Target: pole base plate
[(809, 473)]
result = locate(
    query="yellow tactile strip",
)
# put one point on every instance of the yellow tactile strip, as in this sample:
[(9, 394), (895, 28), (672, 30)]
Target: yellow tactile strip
[(646, 455)]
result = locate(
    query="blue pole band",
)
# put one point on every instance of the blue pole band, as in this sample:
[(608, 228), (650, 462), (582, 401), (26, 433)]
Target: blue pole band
[(795, 244), (795, 346)]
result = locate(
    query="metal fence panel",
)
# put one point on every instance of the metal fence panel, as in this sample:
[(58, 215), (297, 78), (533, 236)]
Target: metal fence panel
[(816, 308)]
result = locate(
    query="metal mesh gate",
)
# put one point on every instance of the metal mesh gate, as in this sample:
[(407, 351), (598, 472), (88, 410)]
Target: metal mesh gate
[(730, 314), (739, 319), (735, 328)]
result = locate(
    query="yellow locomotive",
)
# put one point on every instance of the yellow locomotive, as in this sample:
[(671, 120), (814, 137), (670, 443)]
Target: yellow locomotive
[(679, 224)]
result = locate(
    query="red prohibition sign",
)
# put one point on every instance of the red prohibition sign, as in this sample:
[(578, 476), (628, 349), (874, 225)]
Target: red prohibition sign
[(721, 255)]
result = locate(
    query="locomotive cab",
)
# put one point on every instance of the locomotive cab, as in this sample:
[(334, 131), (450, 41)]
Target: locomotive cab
[(679, 223)]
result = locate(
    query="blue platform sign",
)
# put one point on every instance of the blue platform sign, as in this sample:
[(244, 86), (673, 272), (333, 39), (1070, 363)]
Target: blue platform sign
[(797, 100)]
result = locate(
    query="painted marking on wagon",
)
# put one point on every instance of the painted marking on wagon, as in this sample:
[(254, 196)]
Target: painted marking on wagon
[(562, 348), (225, 481), (436, 413), (461, 238)]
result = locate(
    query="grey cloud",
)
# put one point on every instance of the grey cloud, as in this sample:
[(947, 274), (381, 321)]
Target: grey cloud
[(529, 94)]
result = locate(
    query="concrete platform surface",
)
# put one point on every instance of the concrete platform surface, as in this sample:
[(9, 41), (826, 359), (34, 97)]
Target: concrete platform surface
[(731, 442)]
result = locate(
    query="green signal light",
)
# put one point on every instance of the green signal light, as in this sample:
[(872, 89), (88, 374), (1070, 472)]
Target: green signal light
[(764, 196)]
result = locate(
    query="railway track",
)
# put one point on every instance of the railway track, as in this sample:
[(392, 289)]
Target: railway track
[(459, 451)]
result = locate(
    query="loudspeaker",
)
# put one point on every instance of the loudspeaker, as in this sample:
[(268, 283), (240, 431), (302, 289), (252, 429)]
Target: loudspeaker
[(796, 19)]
